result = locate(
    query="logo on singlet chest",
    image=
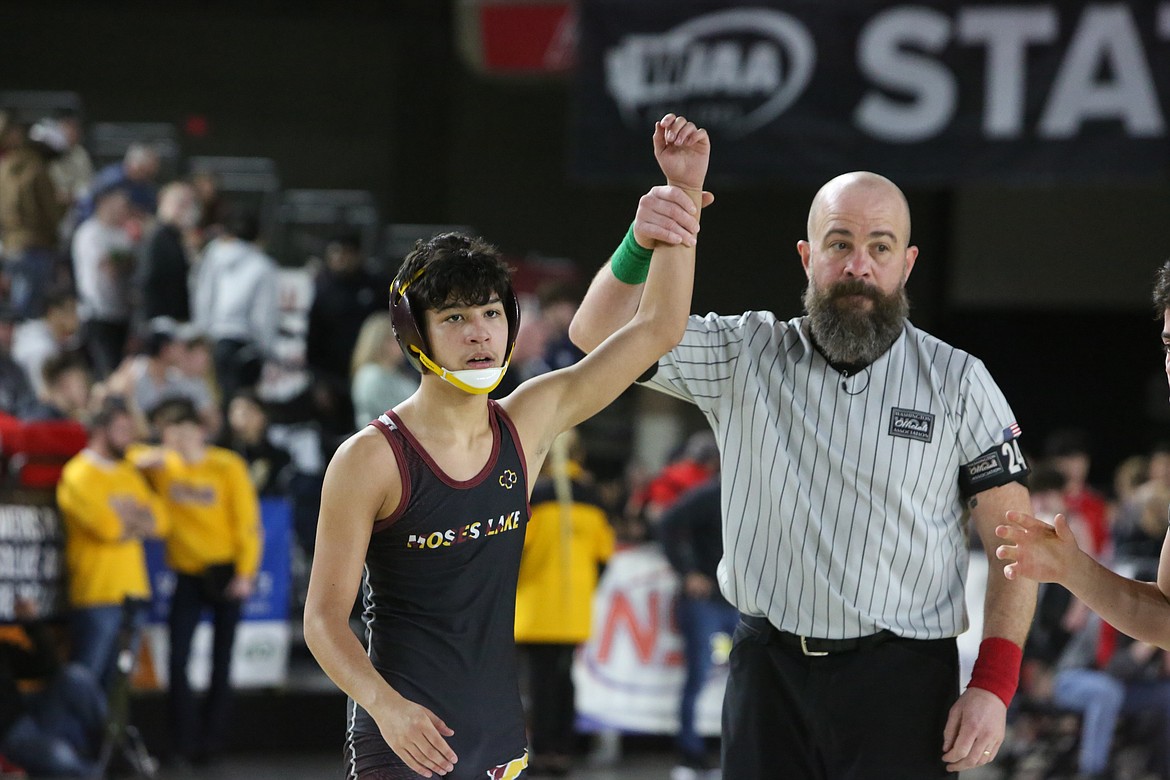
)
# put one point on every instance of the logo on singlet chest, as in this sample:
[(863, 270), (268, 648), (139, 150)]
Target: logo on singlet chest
[(478, 530)]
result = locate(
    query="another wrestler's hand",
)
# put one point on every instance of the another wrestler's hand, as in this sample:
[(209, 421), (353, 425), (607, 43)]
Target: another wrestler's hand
[(1037, 550), (417, 735), (683, 151)]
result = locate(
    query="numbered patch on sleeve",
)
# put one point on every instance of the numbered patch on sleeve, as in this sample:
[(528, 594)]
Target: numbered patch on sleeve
[(999, 465)]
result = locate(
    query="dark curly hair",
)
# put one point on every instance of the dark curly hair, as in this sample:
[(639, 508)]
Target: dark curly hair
[(460, 270), (1162, 291)]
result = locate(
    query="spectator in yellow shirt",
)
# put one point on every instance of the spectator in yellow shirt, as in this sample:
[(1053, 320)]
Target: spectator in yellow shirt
[(214, 547), (568, 539), (108, 509)]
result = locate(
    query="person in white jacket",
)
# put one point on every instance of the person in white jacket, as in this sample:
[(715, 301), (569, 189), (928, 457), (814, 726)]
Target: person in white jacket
[(236, 303)]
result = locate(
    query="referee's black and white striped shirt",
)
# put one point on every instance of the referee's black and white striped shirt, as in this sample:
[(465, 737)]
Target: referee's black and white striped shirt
[(841, 501)]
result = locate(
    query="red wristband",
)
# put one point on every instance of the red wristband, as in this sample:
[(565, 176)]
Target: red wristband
[(997, 668)]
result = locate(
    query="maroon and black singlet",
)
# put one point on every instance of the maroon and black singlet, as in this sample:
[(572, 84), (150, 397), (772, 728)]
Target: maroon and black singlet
[(440, 601)]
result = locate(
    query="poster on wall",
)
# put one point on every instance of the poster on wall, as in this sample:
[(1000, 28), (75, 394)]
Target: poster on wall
[(929, 93), (31, 555), (629, 674), (260, 653)]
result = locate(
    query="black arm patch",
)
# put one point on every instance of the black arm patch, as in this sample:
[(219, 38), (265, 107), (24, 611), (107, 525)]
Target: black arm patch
[(1000, 465)]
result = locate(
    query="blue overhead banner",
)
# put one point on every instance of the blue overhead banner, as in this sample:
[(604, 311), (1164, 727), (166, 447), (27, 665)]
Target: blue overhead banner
[(928, 93)]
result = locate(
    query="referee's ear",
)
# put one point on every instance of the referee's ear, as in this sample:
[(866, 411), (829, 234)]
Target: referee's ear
[(911, 257), (804, 248)]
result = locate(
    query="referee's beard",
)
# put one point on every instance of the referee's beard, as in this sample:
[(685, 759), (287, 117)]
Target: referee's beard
[(849, 333)]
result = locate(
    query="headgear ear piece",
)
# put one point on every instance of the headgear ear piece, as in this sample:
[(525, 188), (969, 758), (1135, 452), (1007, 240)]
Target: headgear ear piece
[(410, 331)]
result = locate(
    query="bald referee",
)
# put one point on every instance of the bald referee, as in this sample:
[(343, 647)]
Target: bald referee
[(850, 443)]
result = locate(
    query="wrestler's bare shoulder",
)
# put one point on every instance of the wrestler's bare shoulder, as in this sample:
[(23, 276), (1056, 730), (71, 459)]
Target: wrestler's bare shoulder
[(366, 455)]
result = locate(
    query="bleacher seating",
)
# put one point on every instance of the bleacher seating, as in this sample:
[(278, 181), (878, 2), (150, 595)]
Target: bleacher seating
[(33, 453)]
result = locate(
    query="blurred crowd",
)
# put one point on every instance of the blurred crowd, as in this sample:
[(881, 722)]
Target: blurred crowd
[(146, 348), (143, 319), (141, 329), (1094, 703)]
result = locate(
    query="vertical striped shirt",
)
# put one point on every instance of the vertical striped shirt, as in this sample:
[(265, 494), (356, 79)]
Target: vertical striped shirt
[(842, 514)]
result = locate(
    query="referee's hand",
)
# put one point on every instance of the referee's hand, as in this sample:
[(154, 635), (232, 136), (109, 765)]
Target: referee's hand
[(975, 729), (666, 215)]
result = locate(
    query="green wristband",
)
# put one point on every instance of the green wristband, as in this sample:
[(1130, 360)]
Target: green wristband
[(631, 261)]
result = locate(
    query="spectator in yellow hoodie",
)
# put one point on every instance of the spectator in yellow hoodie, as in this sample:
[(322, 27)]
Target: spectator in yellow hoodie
[(214, 547), (568, 539), (108, 509)]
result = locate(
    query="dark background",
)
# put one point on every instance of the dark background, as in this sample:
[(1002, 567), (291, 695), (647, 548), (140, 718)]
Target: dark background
[(1049, 285)]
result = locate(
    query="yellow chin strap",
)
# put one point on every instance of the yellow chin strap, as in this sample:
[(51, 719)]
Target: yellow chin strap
[(453, 378)]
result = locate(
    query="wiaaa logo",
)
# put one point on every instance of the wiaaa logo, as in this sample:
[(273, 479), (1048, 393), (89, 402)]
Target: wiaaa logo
[(736, 70)]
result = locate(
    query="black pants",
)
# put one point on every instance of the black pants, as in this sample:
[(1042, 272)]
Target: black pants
[(238, 365), (550, 686), (105, 340), (196, 734), (870, 714)]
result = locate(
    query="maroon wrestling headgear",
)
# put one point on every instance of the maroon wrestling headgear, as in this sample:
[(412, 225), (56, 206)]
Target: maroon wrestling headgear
[(409, 329)]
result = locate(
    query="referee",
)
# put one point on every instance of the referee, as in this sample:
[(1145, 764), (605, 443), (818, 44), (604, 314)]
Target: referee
[(850, 442)]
